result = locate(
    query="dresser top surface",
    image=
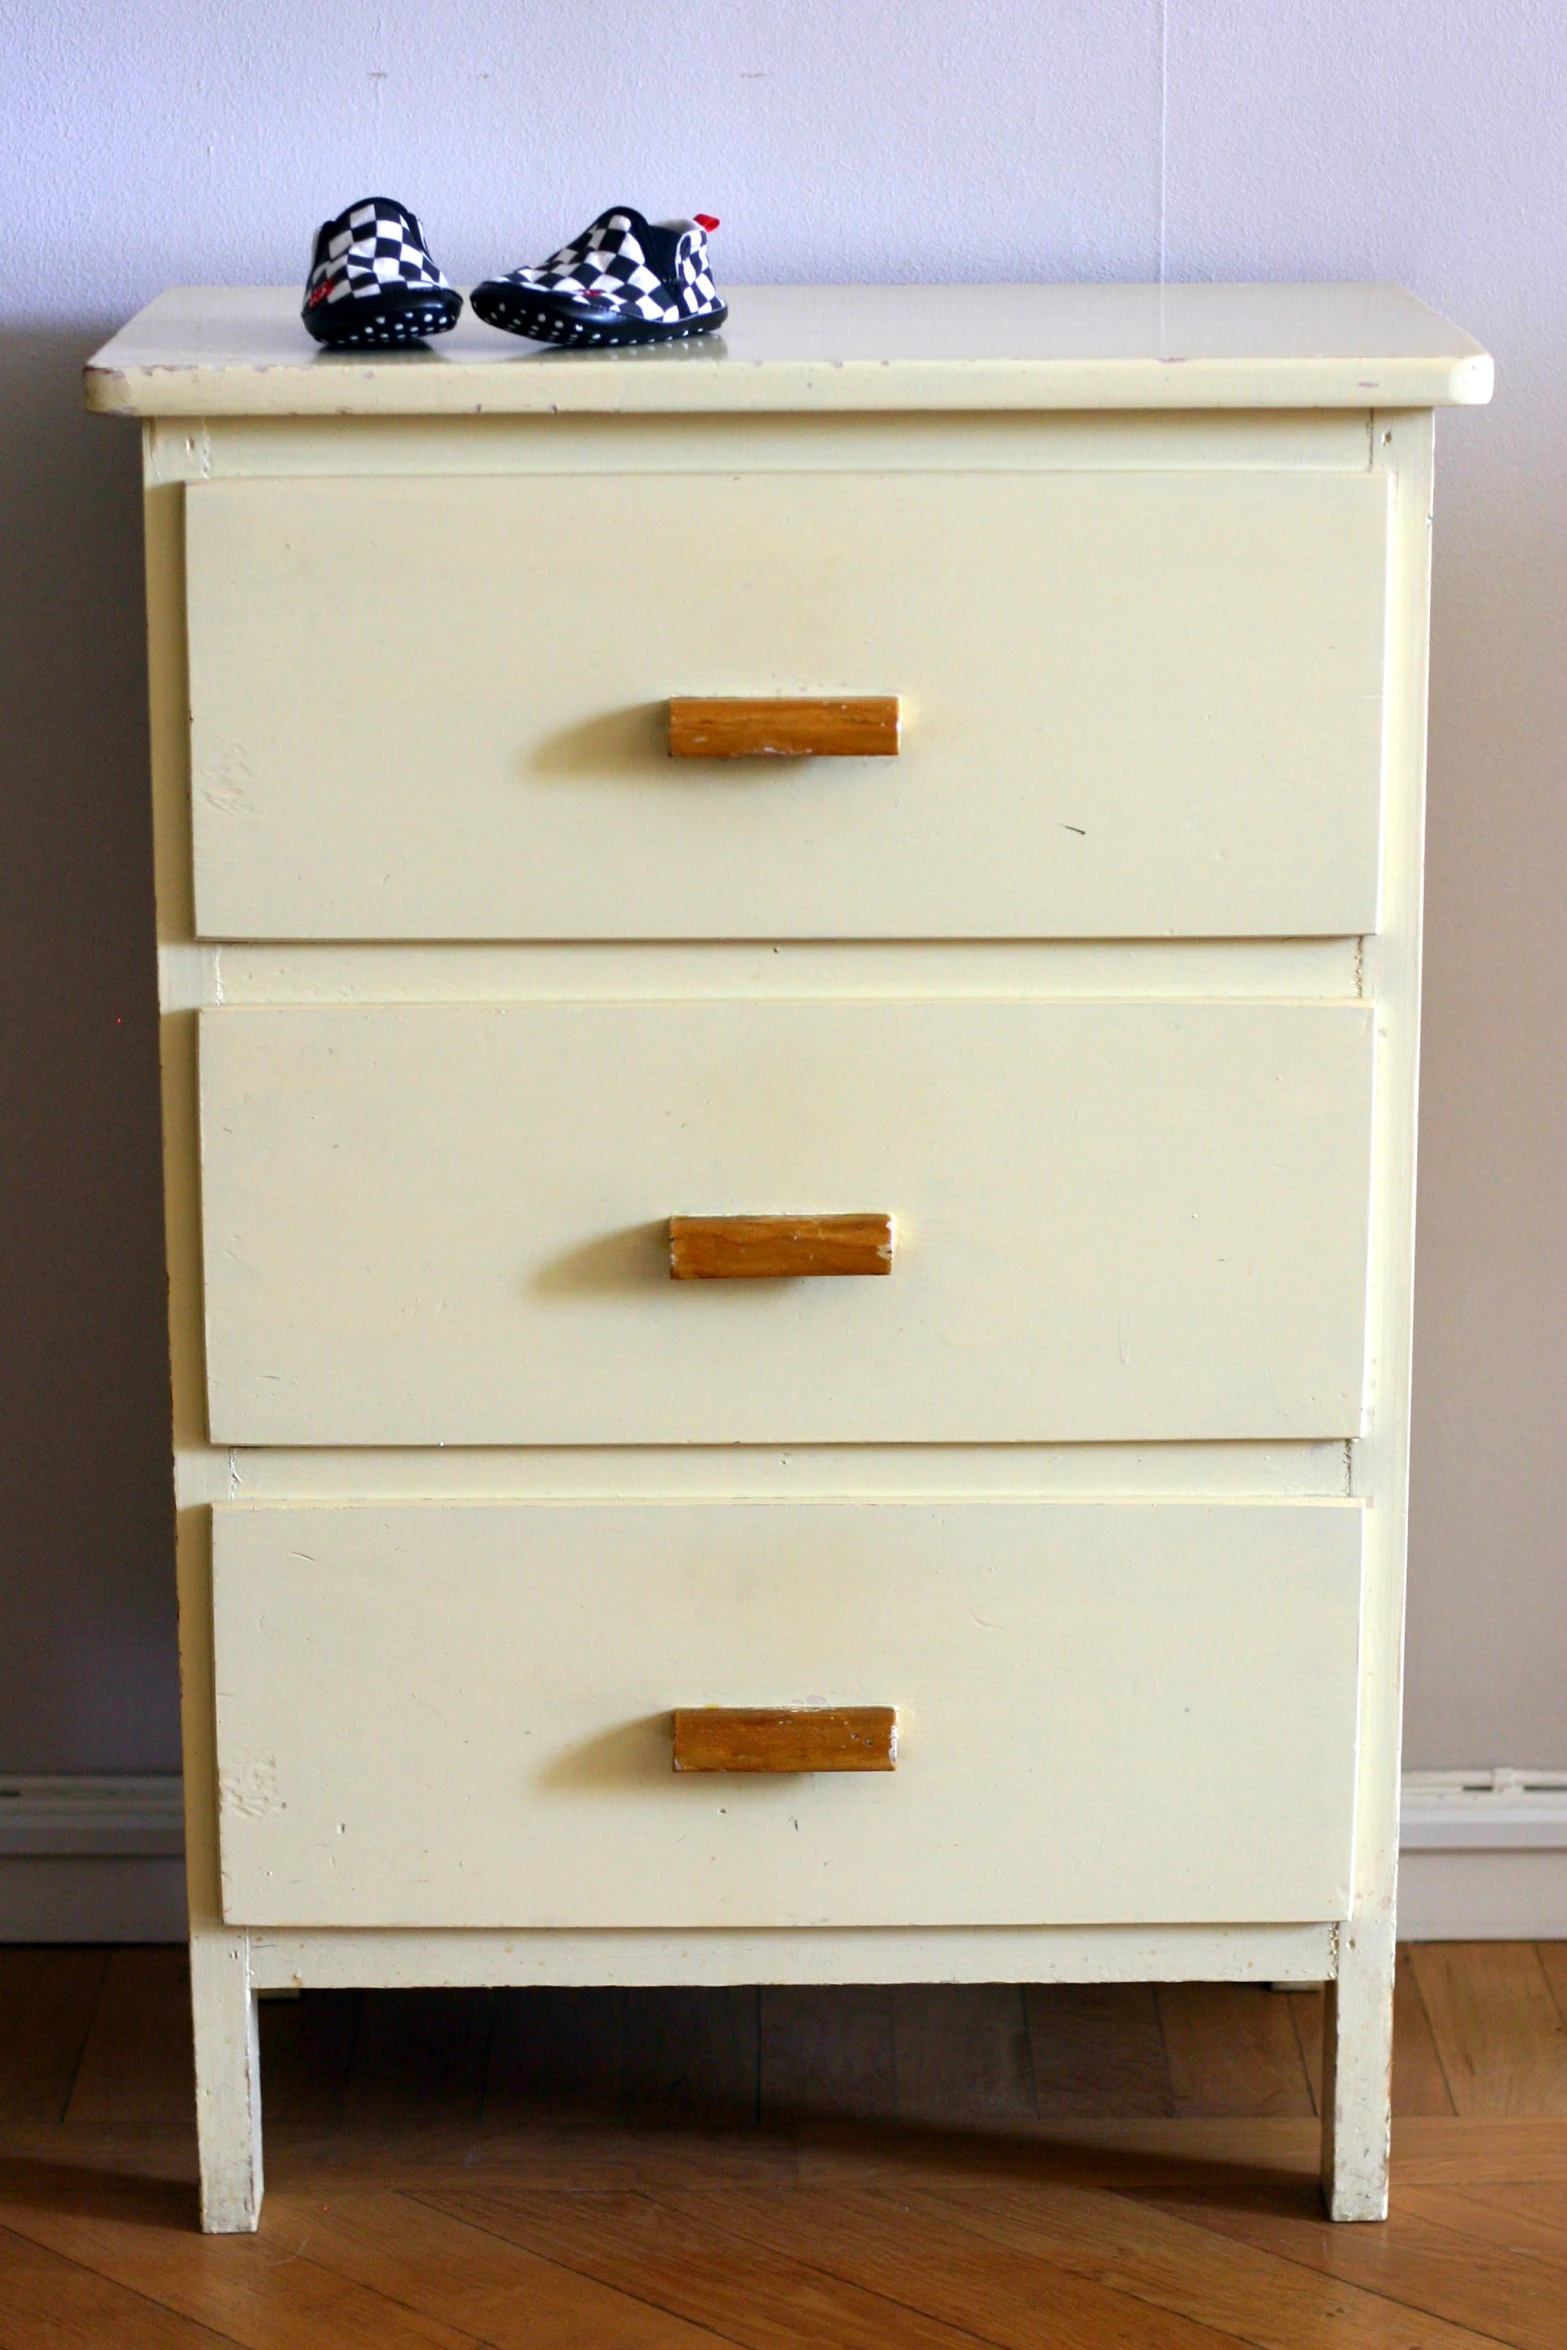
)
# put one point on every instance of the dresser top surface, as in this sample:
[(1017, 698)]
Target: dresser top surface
[(242, 351)]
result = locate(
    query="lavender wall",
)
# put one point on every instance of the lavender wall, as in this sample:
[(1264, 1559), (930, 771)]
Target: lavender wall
[(1411, 139)]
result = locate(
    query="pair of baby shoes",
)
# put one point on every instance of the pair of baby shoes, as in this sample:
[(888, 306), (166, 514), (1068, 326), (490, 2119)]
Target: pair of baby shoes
[(374, 283)]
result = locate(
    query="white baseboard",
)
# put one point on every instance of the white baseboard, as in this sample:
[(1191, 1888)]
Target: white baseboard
[(1482, 1896), (1483, 1858), (120, 1818), (1503, 1810), (75, 1899), (92, 1859)]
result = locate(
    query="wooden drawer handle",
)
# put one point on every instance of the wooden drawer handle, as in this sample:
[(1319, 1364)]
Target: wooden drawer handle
[(786, 1738), (777, 1248), (864, 726)]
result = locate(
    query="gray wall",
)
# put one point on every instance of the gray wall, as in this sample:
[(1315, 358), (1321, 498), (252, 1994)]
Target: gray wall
[(1412, 139)]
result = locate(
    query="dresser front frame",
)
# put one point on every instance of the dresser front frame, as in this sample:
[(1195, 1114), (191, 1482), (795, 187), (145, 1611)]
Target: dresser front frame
[(1355, 1957)]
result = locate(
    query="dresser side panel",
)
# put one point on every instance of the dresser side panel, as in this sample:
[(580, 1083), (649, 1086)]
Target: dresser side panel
[(169, 702), (1403, 445)]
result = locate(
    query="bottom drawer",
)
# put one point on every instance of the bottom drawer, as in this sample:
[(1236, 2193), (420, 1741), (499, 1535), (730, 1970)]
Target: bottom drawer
[(460, 1715)]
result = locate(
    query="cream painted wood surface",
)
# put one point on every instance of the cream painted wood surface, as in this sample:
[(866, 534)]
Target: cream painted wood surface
[(228, 2083), (1357, 2067), (855, 384), (1135, 704), (460, 1716), (240, 350), (188, 450), (820, 1472), (448, 1224), (1358, 2029), (284, 1956), (583, 971)]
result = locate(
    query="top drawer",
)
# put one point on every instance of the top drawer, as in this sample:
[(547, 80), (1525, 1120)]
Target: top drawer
[(1135, 704)]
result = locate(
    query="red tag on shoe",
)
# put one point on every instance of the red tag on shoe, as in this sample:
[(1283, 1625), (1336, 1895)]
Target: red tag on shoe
[(705, 220)]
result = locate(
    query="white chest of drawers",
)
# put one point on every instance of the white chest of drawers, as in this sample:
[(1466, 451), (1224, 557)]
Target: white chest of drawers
[(1103, 988)]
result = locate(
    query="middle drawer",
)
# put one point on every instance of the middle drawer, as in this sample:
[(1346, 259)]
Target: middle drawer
[(1115, 1220)]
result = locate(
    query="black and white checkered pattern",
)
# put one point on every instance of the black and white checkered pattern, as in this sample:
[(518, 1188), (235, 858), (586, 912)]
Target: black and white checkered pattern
[(625, 279), (698, 294), (374, 280), (609, 262)]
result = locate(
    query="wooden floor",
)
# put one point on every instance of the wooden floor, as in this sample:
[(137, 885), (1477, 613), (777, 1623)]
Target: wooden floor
[(663, 2170)]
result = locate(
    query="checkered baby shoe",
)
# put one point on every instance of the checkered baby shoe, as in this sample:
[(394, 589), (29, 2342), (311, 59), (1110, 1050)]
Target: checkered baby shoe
[(373, 281), (624, 280)]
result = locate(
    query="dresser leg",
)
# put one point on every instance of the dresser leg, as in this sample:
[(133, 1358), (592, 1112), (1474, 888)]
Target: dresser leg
[(228, 2081), (1357, 2071)]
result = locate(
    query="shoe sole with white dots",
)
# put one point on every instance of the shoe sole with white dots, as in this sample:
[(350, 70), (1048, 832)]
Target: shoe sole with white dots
[(383, 322), (516, 312)]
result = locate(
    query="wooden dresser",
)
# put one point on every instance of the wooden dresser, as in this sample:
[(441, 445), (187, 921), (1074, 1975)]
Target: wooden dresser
[(909, 815)]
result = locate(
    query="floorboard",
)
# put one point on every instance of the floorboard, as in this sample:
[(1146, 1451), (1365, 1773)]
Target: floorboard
[(420, 2057), (48, 1999), (445, 2266), (1097, 2048), (1130, 2152), (1073, 2167), (1174, 2265), (961, 2056), (1553, 1960), (1514, 2219), (1498, 2030), (1306, 2013), (1492, 2150), (925, 2259), (48, 2303), (1419, 2083), (555, 2051), (828, 2049), (1422, 2265), (137, 2064), (1232, 2048), (261, 2291), (308, 2047), (691, 2055), (684, 2263)]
